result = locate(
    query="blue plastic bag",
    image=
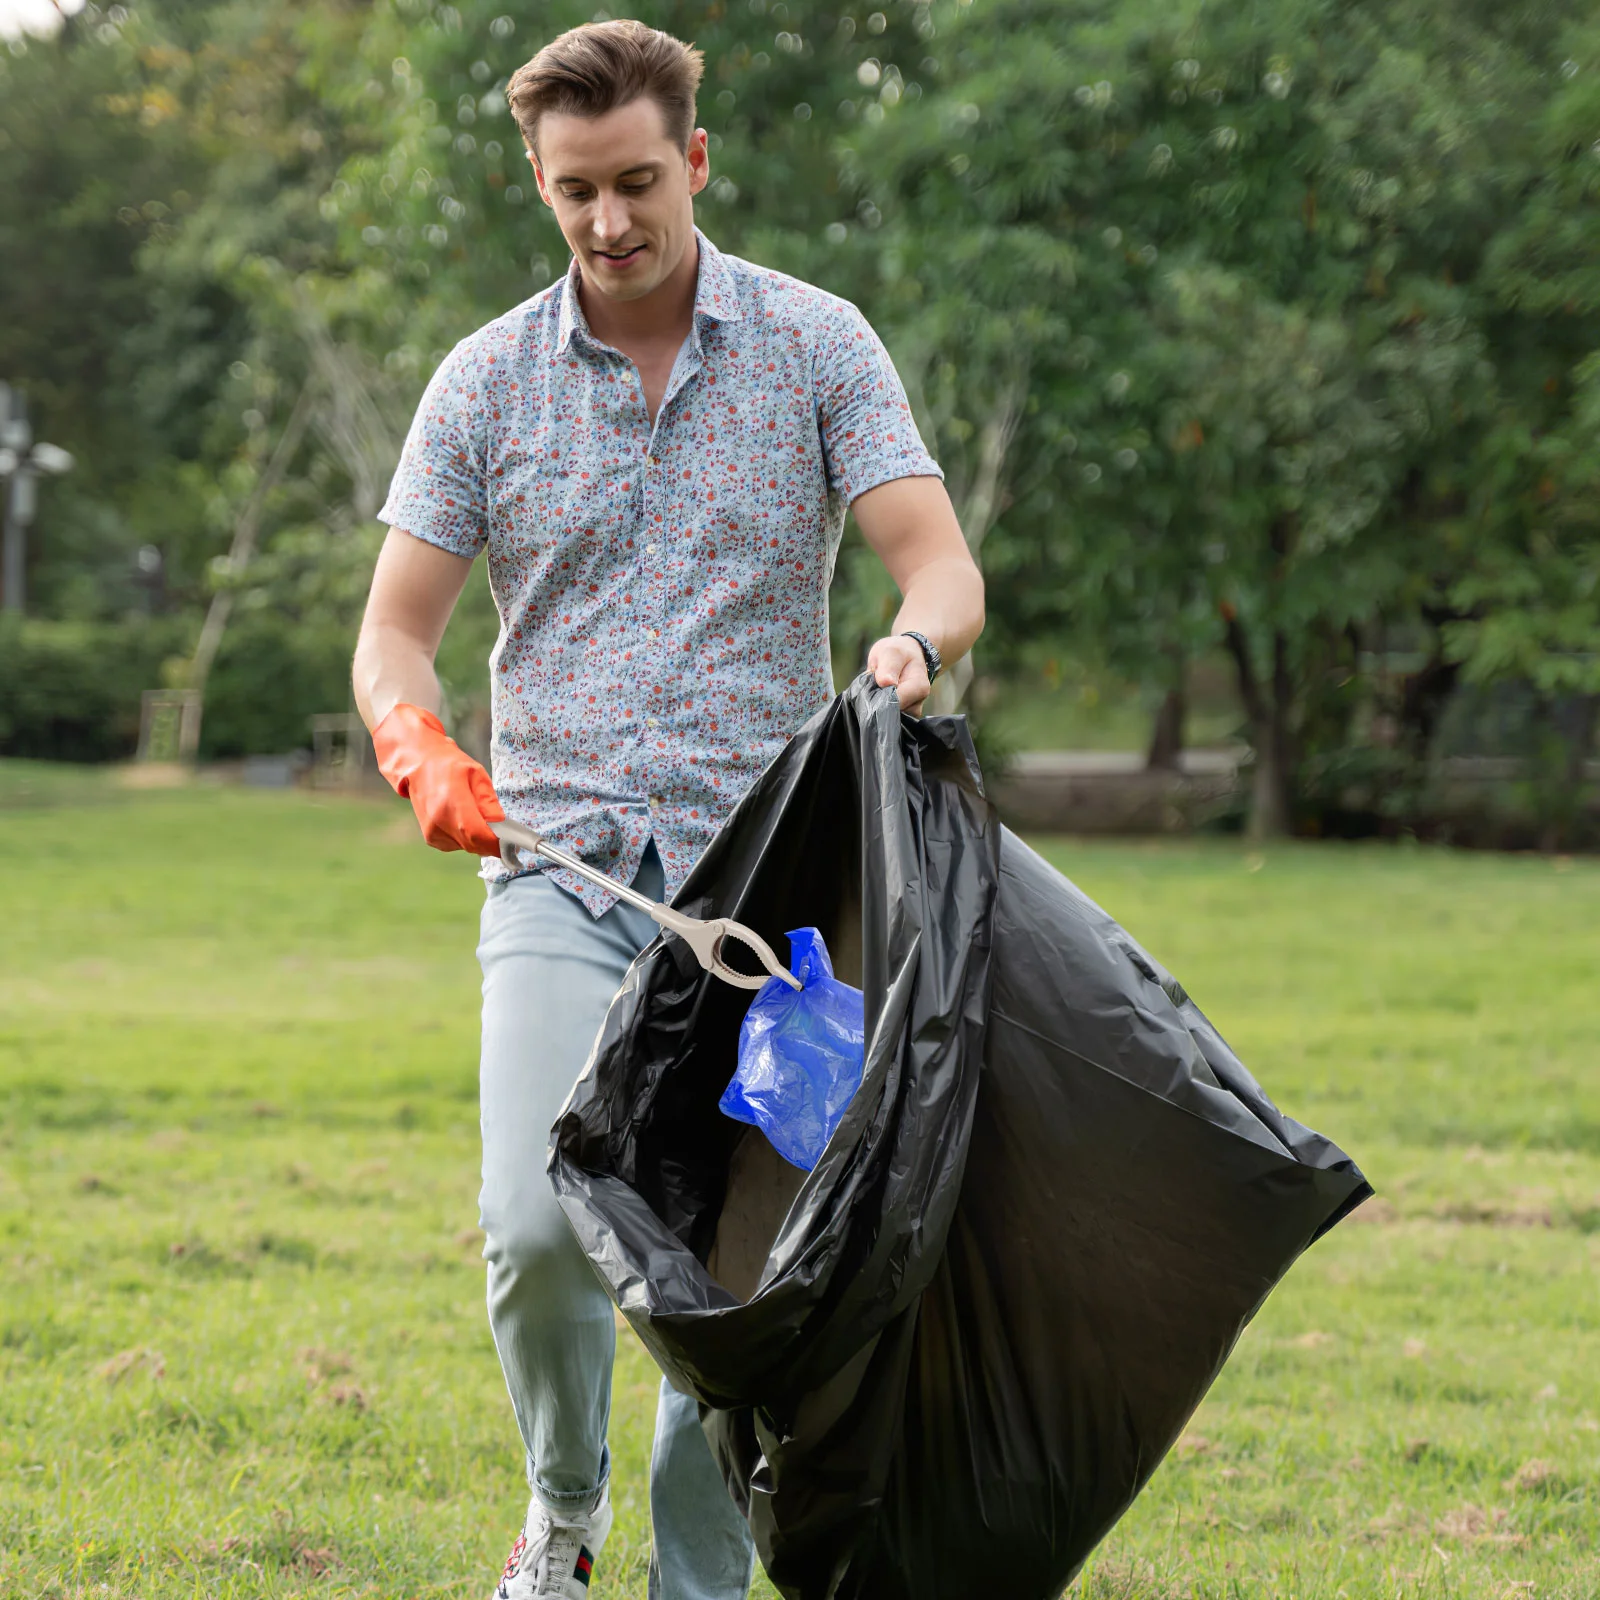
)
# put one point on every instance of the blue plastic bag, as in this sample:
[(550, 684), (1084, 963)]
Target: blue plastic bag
[(800, 1055)]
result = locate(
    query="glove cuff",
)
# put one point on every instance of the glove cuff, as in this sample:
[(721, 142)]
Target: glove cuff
[(401, 740)]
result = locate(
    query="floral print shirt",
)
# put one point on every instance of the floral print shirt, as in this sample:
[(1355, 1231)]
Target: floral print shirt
[(663, 590)]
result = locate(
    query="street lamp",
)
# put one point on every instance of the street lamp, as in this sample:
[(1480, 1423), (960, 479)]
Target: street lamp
[(21, 462)]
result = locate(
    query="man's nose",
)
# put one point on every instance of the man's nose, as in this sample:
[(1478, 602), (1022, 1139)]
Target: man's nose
[(611, 219)]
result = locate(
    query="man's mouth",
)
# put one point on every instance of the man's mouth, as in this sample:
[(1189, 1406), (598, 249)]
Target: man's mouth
[(617, 257)]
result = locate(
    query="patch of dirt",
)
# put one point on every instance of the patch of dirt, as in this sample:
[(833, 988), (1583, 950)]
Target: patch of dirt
[(320, 1365), (1470, 1524), (286, 1549), (1193, 1444), (153, 775), (1313, 1340), (1394, 1521), (1527, 1208), (139, 1359), (1531, 1476), (1129, 1580), (1496, 1213)]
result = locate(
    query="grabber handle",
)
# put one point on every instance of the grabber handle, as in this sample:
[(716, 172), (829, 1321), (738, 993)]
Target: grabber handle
[(704, 938)]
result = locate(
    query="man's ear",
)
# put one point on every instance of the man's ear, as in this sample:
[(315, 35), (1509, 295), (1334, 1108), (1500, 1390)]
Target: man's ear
[(538, 178), (699, 159)]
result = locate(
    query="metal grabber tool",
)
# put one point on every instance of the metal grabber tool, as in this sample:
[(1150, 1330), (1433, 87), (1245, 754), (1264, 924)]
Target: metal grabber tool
[(703, 937)]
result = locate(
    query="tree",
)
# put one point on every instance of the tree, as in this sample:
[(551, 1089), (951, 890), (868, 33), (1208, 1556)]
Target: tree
[(1273, 351), (93, 174)]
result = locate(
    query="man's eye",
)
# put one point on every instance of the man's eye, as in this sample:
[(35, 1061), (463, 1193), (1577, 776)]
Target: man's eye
[(636, 188)]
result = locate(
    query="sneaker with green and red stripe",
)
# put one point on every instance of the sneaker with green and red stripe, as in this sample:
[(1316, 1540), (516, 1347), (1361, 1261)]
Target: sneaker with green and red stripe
[(553, 1558)]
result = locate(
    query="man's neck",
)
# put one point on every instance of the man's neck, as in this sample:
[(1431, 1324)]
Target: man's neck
[(666, 313)]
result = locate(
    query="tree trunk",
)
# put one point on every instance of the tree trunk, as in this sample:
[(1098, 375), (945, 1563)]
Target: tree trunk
[(1562, 831), (980, 505), (239, 554), (350, 421), (1268, 711), (1167, 731), (1582, 742), (1274, 810), (1425, 693)]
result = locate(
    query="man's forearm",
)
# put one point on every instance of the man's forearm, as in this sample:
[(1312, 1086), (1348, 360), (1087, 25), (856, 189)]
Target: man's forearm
[(414, 589), (944, 600), (391, 667)]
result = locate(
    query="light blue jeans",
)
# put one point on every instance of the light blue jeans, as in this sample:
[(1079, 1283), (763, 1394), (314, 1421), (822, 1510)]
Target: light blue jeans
[(550, 971)]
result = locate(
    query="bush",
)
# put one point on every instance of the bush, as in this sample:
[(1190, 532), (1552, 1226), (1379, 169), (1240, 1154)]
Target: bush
[(69, 691), (271, 676)]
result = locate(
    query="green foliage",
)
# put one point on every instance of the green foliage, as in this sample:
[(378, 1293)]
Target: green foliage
[(123, 364), (272, 675), (69, 691), (1285, 389), (286, 654), (1271, 330)]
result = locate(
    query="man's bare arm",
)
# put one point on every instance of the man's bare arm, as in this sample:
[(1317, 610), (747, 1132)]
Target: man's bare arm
[(414, 589), (912, 527)]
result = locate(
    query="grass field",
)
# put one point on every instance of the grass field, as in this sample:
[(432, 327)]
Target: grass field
[(242, 1344)]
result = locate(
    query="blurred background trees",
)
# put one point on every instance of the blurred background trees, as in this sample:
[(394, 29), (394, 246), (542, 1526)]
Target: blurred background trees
[(1261, 347)]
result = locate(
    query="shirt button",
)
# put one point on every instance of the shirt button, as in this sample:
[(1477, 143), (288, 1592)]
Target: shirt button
[(653, 722), (650, 549), (655, 633)]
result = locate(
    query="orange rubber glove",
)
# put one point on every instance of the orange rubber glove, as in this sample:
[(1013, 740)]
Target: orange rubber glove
[(450, 793)]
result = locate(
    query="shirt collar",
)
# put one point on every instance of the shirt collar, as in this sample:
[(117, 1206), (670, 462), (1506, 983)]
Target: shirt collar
[(716, 296)]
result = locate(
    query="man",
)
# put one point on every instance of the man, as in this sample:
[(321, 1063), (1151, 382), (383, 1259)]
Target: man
[(656, 453)]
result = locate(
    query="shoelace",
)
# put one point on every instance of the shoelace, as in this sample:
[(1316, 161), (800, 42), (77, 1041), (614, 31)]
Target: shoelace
[(559, 1557), (514, 1560)]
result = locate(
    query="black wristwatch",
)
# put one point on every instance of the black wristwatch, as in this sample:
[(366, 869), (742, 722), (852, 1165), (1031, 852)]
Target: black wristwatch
[(930, 652)]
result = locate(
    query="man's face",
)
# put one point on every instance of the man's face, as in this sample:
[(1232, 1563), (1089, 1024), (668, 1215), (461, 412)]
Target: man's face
[(622, 192)]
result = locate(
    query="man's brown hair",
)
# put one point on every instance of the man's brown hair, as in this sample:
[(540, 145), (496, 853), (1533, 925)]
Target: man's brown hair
[(593, 69)]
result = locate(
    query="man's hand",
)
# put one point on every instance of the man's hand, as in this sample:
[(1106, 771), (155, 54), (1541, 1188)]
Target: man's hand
[(897, 663), (451, 794)]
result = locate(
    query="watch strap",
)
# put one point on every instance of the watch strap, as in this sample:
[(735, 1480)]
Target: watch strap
[(930, 652)]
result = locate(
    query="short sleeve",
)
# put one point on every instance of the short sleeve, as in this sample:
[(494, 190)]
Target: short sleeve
[(868, 434), (438, 491)]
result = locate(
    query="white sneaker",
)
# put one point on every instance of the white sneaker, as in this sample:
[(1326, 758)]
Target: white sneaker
[(553, 1560)]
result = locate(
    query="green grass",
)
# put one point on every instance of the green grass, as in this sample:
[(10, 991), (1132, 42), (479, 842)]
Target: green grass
[(242, 1341), (30, 785)]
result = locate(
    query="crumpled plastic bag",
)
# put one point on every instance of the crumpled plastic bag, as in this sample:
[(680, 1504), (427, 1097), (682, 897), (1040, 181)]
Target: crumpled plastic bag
[(800, 1055)]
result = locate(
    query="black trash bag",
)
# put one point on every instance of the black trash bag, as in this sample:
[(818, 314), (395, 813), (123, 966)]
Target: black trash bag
[(946, 1360)]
